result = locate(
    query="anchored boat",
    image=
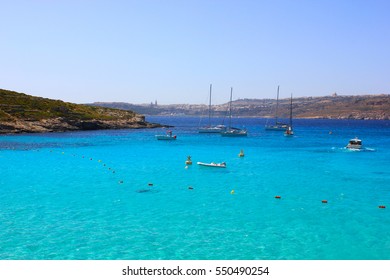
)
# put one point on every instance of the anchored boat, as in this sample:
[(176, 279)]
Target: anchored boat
[(212, 164), (278, 125), (211, 128), (232, 131), (167, 136), (354, 144), (289, 131)]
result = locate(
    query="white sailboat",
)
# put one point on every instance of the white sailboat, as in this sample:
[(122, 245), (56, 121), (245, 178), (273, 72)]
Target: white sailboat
[(278, 125), (211, 128), (232, 131), (289, 131)]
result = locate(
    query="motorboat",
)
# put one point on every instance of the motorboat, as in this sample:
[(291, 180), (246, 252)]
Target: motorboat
[(354, 144), (167, 136)]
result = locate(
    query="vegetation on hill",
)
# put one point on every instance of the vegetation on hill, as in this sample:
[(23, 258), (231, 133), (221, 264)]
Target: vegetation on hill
[(14, 105), (25, 113)]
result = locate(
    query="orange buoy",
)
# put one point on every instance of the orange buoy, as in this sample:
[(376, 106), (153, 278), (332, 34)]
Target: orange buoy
[(382, 206), (324, 201), (278, 197)]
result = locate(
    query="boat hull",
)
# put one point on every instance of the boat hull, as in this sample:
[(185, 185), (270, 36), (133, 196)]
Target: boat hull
[(354, 147), (215, 165), (213, 129)]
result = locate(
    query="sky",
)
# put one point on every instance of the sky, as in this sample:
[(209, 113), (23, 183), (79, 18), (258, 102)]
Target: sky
[(170, 51)]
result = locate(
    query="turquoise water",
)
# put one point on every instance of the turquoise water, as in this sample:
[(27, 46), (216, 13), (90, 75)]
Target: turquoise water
[(124, 195)]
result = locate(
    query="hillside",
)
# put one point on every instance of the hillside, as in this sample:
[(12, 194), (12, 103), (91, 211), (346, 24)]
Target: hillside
[(25, 113), (328, 107)]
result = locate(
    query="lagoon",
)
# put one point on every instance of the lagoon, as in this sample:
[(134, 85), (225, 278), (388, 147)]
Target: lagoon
[(121, 194)]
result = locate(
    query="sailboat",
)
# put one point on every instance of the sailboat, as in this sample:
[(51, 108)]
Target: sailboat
[(210, 128), (289, 131), (278, 125), (232, 131)]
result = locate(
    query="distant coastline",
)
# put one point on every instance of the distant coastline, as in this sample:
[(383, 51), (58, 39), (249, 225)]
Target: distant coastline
[(360, 107), (22, 113)]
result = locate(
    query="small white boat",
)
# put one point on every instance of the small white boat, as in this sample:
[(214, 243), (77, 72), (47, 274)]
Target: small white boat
[(212, 164), (167, 136), (354, 144)]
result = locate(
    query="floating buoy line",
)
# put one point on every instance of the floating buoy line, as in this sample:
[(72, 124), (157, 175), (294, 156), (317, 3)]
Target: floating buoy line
[(110, 169), (187, 162)]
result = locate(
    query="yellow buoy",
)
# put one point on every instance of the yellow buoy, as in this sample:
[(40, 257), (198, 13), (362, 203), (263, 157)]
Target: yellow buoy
[(188, 161), (232, 192), (241, 154)]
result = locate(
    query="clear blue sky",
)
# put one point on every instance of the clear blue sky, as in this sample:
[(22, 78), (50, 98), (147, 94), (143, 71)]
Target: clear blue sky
[(170, 51)]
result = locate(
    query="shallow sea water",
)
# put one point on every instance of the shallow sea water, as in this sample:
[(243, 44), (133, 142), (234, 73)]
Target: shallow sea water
[(124, 195)]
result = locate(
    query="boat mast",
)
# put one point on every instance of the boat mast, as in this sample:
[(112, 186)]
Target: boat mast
[(291, 111), (277, 105), (210, 106), (230, 107)]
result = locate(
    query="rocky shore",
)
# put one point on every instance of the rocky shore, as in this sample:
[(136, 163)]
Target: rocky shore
[(22, 113), (62, 125)]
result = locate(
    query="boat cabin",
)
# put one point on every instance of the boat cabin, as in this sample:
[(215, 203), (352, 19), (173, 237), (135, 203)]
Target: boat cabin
[(354, 143)]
